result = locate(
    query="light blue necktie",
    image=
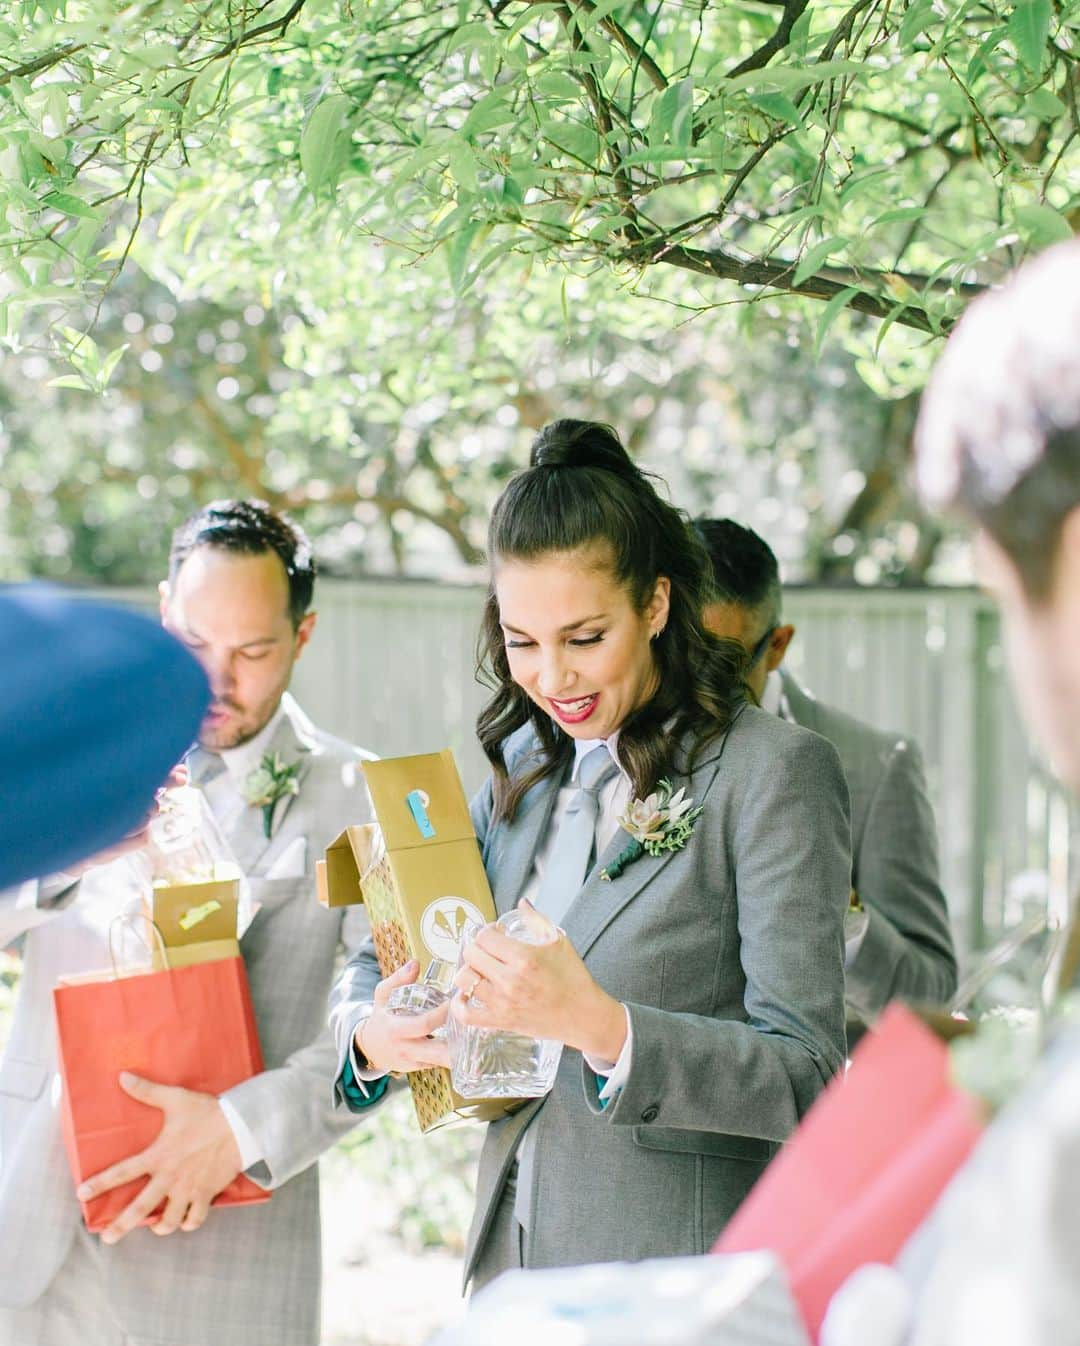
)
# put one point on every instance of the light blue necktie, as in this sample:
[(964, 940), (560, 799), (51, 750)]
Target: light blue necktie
[(569, 862), (571, 856)]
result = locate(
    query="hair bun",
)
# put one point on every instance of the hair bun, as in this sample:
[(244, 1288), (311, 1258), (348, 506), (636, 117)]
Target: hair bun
[(569, 443)]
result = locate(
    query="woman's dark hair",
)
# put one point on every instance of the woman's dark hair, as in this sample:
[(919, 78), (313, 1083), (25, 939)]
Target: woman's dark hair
[(582, 491), (251, 528), (998, 437)]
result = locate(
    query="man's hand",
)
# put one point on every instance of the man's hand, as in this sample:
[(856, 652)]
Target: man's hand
[(392, 1042), (194, 1157)]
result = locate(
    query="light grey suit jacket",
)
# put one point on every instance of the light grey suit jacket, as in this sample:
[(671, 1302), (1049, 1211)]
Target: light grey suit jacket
[(251, 1276), (729, 956), (908, 948)]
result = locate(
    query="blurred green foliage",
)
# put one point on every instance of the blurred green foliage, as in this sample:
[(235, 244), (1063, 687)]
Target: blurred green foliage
[(429, 1181), (348, 256)]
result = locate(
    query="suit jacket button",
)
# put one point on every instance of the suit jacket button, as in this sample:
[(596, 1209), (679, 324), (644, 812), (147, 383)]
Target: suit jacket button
[(651, 1113)]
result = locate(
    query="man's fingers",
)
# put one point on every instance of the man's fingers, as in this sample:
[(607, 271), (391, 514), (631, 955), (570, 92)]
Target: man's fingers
[(146, 1091), (172, 1216), (196, 1215), (404, 976), (136, 1211), (127, 1170)]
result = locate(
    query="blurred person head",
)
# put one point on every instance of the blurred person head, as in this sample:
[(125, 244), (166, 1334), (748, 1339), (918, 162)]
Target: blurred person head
[(241, 579), (96, 704), (998, 441), (593, 622), (746, 601)]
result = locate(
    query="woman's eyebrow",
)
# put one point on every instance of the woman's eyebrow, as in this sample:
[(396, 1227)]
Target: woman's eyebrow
[(571, 626)]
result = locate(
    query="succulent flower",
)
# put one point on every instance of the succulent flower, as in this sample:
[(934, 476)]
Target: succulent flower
[(271, 780), (661, 822)]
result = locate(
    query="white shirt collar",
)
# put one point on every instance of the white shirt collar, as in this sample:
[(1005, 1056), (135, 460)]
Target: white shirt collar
[(245, 757), (584, 746), (773, 693)]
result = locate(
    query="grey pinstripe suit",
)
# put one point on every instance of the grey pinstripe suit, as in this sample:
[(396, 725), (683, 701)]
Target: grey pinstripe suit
[(249, 1277)]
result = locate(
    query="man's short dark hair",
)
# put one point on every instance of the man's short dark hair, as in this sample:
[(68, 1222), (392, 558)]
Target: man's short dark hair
[(250, 528), (745, 570), (998, 436)]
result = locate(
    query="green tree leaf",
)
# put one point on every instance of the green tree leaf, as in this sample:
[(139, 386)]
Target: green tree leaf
[(457, 256), (324, 142), (1029, 29), (830, 313), (70, 205), (1042, 225), (817, 256), (776, 105)]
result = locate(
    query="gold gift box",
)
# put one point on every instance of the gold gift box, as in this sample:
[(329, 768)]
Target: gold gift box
[(419, 873)]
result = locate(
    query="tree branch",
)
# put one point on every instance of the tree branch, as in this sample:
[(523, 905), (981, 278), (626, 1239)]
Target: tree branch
[(780, 38), (634, 50), (40, 63), (720, 265)]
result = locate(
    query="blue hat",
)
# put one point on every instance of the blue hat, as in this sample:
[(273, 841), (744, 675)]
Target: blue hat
[(97, 704)]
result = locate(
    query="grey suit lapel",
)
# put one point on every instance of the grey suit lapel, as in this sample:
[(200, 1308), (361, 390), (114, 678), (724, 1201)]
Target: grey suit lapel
[(248, 839), (600, 900), (516, 846)]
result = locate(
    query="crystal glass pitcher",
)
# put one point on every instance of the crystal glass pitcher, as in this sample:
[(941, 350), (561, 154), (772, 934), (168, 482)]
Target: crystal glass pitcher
[(493, 1063)]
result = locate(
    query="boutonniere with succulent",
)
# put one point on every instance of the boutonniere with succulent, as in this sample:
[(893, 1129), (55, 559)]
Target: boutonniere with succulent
[(271, 780), (662, 822)]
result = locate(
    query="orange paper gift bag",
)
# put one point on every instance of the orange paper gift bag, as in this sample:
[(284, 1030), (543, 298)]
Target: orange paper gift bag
[(865, 1167), (189, 1026)]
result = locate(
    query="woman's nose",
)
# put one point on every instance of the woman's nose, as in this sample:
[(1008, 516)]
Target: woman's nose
[(556, 677)]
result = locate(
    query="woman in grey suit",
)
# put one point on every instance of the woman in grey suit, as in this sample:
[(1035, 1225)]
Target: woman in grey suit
[(699, 991)]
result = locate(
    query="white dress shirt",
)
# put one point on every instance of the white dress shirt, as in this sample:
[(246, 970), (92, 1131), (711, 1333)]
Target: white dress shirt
[(225, 795)]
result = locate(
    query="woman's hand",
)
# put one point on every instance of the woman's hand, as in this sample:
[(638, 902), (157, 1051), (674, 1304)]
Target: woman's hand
[(401, 1042), (539, 990)]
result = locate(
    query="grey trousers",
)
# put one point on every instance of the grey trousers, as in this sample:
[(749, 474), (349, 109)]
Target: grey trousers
[(505, 1246), (73, 1311)]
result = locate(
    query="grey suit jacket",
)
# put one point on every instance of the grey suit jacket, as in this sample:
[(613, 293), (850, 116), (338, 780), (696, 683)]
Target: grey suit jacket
[(729, 956), (908, 948), (251, 1276)]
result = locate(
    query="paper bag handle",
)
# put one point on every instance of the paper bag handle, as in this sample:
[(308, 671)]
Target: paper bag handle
[(127, 918)]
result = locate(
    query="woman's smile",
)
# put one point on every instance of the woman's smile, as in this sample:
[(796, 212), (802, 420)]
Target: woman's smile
[(574, 712)]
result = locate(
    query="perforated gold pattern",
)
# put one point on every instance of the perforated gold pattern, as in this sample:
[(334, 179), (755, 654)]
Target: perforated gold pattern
[(433, 1098)]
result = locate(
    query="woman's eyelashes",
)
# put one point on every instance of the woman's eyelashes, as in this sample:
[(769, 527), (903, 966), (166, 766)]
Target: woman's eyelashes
[(574, 640)]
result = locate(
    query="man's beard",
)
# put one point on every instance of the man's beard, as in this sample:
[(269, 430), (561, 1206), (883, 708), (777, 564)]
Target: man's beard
[(235, 733)]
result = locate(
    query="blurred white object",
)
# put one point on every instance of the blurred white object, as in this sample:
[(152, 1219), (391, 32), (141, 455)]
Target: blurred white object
[(998, 1262), (736, 1300), (873, 1305), (292, 861), (186, 845)]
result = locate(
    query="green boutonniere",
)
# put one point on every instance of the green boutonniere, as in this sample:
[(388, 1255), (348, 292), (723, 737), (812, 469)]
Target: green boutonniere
[(272, 779), (662, 822)]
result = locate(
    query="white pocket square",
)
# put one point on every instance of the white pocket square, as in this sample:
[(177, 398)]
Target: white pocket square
[(290, 864)]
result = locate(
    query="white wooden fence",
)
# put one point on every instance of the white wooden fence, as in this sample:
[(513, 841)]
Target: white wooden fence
[(392, 667)]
